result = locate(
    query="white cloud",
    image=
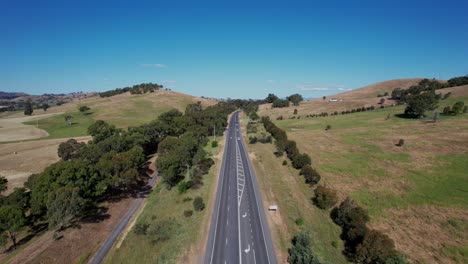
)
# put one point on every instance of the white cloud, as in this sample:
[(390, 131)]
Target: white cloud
[(271, 81), (156, 65), (320, 87), (344, 89)]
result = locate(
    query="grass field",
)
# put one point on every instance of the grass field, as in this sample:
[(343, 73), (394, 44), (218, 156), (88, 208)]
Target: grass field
[(186, 235), (412, 191), (283, 186), (122, 110)]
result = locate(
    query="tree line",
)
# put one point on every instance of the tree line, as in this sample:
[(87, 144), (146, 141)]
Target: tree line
[(112, 165), (276, 102), (362, 245), (135, 89)]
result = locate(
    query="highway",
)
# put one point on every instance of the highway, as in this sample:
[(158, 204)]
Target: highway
[(239, 230)]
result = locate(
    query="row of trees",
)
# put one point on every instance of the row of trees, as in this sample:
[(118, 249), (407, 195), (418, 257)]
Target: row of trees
[(135, 89), (112, 165)]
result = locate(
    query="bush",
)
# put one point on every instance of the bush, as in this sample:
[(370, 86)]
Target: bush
[(285, 163), (334, 244), (253, 140), (300, 252), (295, 112), (465, 109), (446, 110), (251, 128), (198, 204), (265, 139), (160, 231), (458, 107), (328, 127), (280, 103), (299, 221), (400, 143), (183, 186), (84, 108), (301, 160), (325, 197), (141, 228), (311, 176), (214, 144), (188, 213)]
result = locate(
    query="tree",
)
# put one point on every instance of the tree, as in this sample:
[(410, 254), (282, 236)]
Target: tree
[(83, 108), (280, 103), (418, 104), (45, 106), (458, 107), (12, 220), (446, 110), (3, 184), (63, 205), (382, 101), (69, 149), (325, 197), (300, 252), (301, 160), (254, 116), (295, 99), (311, 176), (28, 108), (375, 248), (69, 119), (101, 130), (295, 112), (271, 98), (324, 97)]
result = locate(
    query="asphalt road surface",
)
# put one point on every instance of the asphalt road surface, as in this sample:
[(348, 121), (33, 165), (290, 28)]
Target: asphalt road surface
[(112, 238), (239, 230)]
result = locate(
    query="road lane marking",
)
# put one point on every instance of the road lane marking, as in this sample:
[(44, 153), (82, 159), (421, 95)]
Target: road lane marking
[(244, 215), (247, 249)]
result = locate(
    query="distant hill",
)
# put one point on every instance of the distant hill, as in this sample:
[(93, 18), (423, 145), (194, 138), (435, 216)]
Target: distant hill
[(8, 95), (365, 96)]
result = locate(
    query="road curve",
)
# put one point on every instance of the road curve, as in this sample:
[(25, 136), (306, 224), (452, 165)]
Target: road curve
[(239, 230), (112, 238)]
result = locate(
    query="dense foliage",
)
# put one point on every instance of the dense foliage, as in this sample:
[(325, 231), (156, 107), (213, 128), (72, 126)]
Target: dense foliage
[(280, 103), (300, 252), (135, 89)]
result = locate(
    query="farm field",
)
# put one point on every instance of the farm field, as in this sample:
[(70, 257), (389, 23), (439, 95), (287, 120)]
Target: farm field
[(282, 185), (417, 193)]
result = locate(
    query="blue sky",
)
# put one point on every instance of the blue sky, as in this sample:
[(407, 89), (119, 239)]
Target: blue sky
[(241, 49)]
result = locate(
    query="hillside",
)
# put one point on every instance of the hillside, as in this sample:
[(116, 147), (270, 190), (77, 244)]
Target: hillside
[(122, 110), (416, 194), (365, 96)]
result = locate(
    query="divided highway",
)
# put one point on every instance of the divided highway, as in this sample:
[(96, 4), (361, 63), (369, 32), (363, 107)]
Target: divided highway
[(239, 230)]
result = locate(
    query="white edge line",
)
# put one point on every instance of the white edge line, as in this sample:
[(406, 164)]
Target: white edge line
[(223, 167), (256, 201)]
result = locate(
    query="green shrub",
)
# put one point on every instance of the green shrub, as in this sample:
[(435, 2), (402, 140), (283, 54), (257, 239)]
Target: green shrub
[(214, 144), (160, 231), (300, 252), (458, 107), (299, 221), (183, 186), (140, 228), (198, 204), (188, 213), (328, 127), (334, 244), (325, 197), (285, 163), (253, 140), (376, 247)]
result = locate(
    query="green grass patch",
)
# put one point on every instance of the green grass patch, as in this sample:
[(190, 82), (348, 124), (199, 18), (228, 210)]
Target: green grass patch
[(57, 126)]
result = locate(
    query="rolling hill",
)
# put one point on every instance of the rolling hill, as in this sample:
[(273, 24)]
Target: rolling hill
[(415, 193)]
